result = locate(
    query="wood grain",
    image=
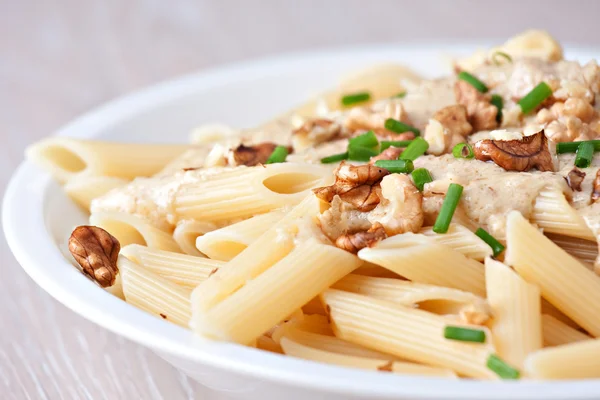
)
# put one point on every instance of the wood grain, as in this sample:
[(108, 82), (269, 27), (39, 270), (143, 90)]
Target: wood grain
[(59, 58)]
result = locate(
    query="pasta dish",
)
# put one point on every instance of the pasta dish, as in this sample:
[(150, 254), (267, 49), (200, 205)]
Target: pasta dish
[(442, 227)]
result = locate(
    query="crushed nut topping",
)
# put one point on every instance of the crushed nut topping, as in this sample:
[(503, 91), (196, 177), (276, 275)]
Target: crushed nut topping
[(373, 118), (482, 114), (391, 153), (596, 188), (317, 131), (574, 179), (475, 313), (356, 241), (448, 128), (96, 251), (252, 155), (517, 155), (356, 185)]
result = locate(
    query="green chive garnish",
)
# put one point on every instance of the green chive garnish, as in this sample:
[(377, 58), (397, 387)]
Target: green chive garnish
[(400, 95), (476, 83), (334, 158), (463, 150), (502, 369), (358, 153), (278, 155), (585, 153), (498, 55), (420, 177), (415, 149), (464, 334), (534, 98), (396, 166), (571, 147), (491, 241), (356, 98), (448, 207), (365, 140), (385, 144), (400, 127), (499, 103)]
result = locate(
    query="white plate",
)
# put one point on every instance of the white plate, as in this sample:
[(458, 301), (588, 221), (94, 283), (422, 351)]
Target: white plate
[(38, 218)]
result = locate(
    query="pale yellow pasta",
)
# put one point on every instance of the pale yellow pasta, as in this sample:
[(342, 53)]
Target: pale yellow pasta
[(557, 333), (82, 189), (284, 287), (585, 251), (66, 157), (553, 213), (247, 191), (131, 229), (409, 333), (370, 269), (315, 323), (314, 306), (229, 241), (564, 281), (187, 231), (517, 325), (577, 360), (155, 294), (184, 270), (421, 259), (462, 240), (268, 344)]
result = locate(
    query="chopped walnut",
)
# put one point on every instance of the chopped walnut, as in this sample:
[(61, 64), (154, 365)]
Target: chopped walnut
[(354, 242), (448, 127), (568, 129), (596, 188), (517, 155), (252, 155), (391, 153), (356, 185), (574, 179), (373, 118), (316, 131), (482, 114), (477, 313), (96, 251)]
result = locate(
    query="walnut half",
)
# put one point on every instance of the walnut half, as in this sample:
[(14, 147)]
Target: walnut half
[(356, 241), (517, 155), (96, 251)]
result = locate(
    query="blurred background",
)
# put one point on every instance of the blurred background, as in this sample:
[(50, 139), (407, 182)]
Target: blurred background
[(59, 58)]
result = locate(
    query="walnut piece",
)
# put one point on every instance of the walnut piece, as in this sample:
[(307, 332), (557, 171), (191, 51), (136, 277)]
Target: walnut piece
[(448, 127), (96, 251), (357, 185), (482, 114), (316, 131), (574, 179), (252, 155), (391, 153), (373, 118), (517, 155), (596, 188), (355, 241)]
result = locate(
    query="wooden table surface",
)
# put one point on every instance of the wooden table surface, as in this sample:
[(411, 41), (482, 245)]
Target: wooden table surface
[(59, 58)]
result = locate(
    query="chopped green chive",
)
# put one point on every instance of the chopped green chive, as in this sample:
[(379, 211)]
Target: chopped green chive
[(448, 207), (385, 144), (365, 140), (464, 334), (571, 147), (534, 98), (396, 166), (359, 153), (334, 158), (415, 149), (491, 241), (400, 95), (502, 369), (499, 103), (498, 56), (463, 150), (476, 83), (355, 98), (584, 155), (400, 127), (278, 155), (420, 177)]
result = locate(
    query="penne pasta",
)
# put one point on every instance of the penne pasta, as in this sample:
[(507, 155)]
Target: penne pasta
[(268, 344), (187, 231), (585, 251), (577, 360), (82, 189), (462, 240), (557, 333)]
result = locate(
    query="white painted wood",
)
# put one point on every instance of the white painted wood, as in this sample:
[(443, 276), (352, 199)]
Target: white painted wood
[(59, 58)]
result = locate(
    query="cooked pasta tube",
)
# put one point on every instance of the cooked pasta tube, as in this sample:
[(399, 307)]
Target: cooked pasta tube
[(187, 231), (370, 269), (585, 251), (154, 294), (564, 281), (82, 189), (412, 334), (557, 333), (131, 229), (66, 157), (553, 213), (421, 259), (268, 344), (462, 240), (517, 325), (257, 190), (314, 306), (229, 241), (184, 270), (315, 323), (577, 360), (284, 287)]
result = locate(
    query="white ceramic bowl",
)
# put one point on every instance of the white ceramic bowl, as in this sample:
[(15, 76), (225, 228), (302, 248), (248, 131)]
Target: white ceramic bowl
[(38, 218)]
